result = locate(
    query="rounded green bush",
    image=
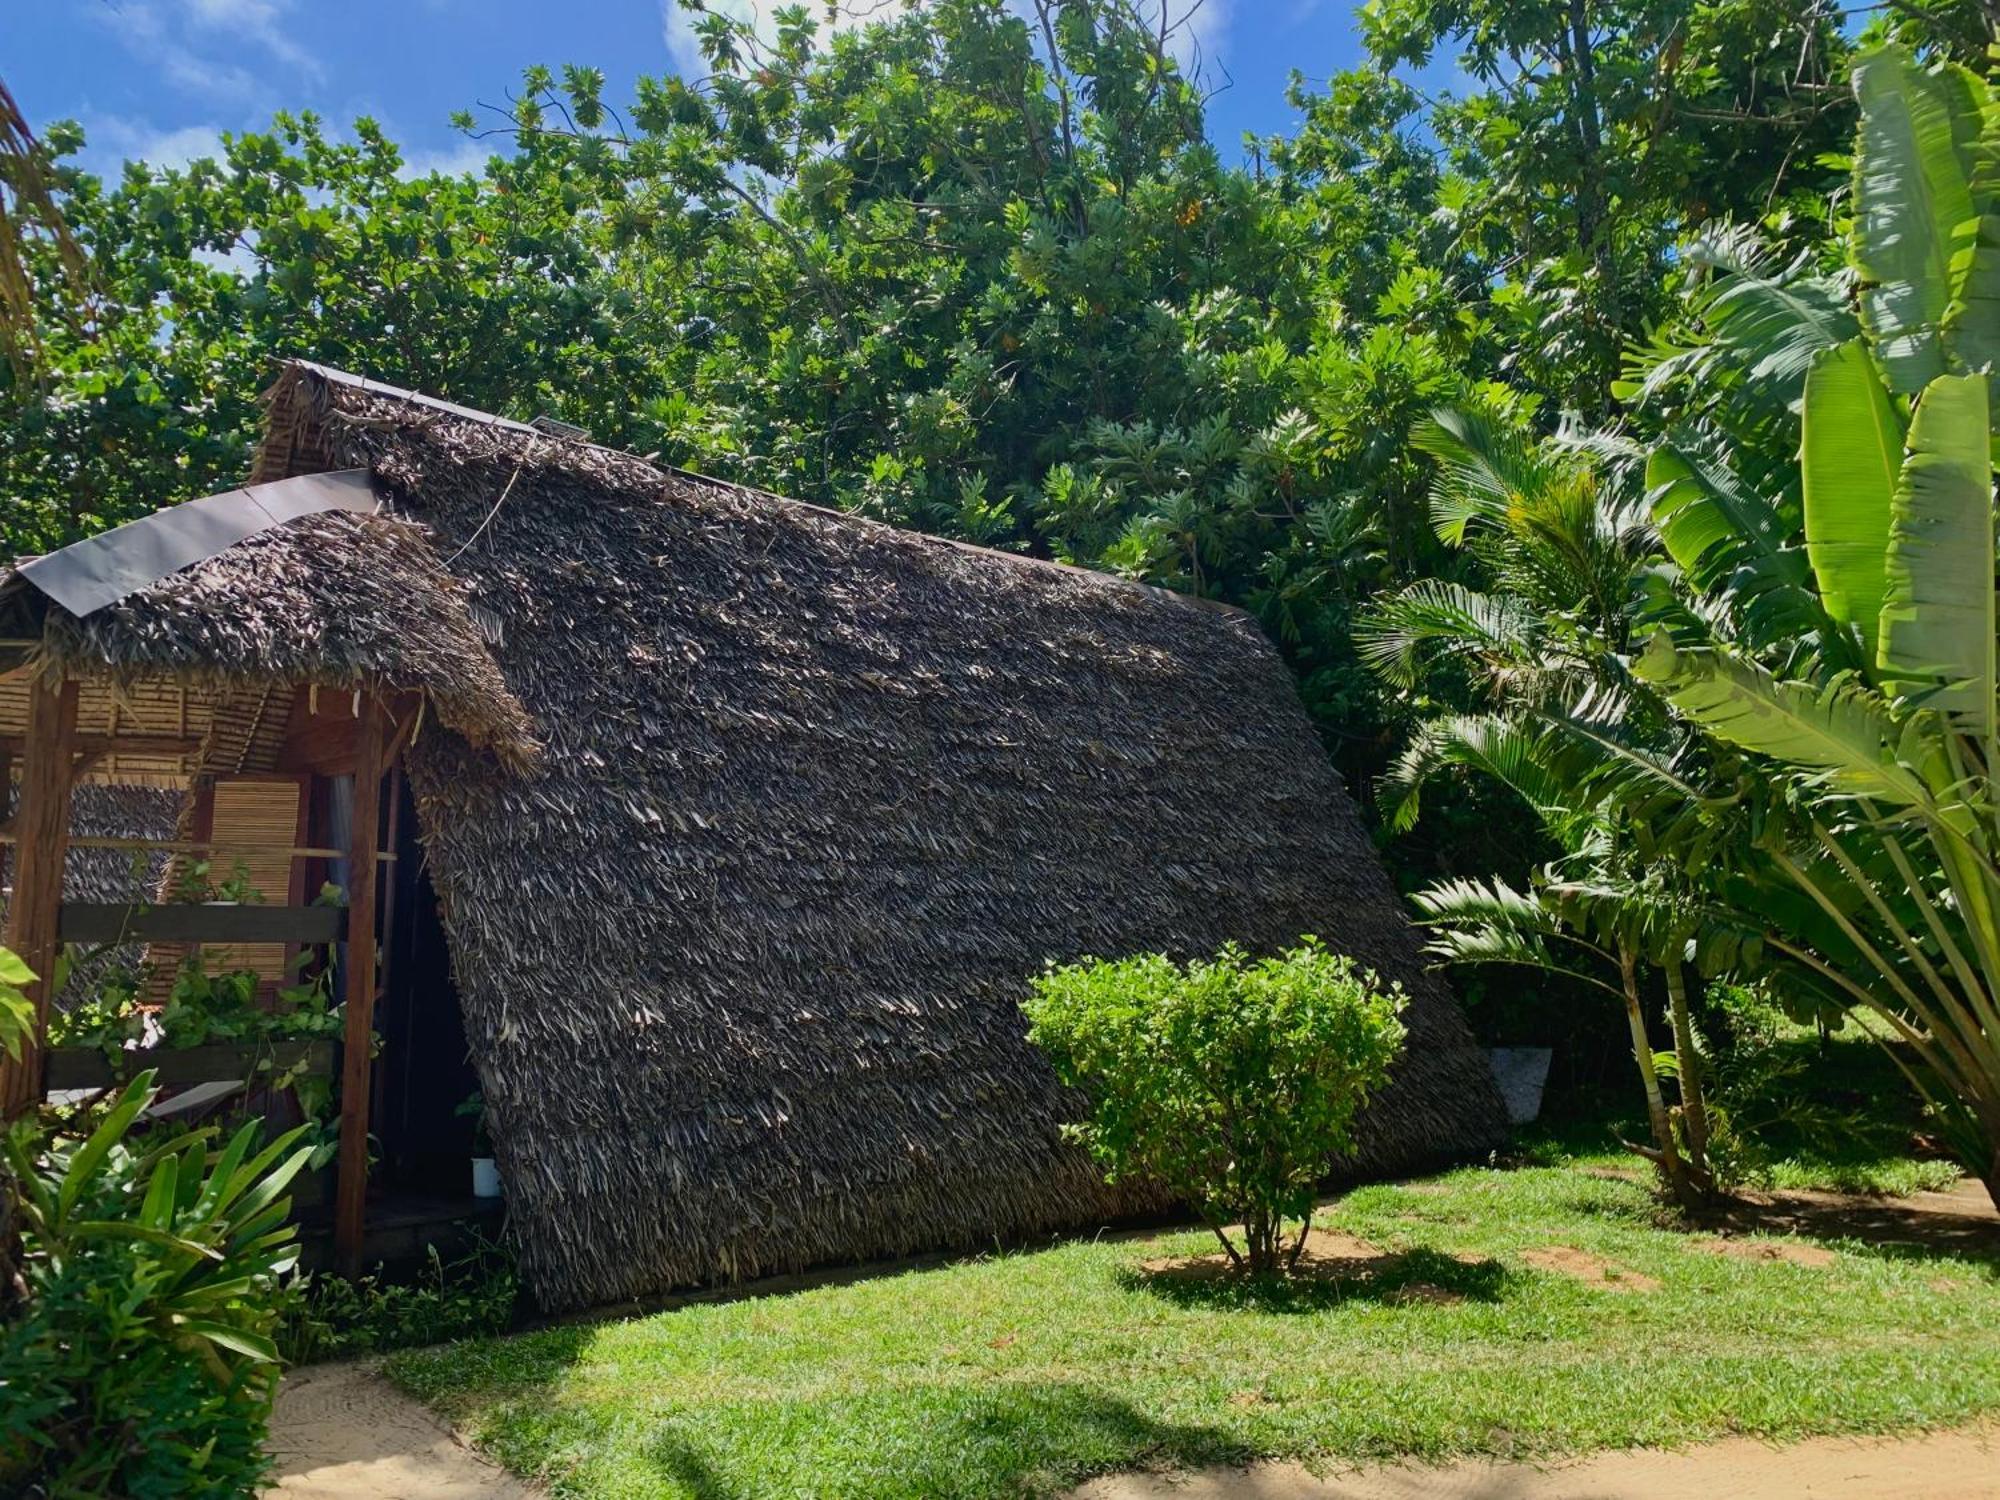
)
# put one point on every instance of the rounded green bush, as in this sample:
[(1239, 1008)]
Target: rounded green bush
[(1233, 1080)]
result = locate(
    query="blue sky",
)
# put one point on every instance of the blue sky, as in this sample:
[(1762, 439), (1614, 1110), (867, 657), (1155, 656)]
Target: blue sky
[(159, 79)]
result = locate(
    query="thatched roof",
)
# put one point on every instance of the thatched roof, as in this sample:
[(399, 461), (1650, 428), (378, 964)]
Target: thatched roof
[(337, 600), (741, 958)]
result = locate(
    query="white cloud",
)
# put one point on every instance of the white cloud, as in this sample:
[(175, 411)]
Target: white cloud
[(114, 139), (1199, 28), (454, 160), (264, 22), (187, 41)]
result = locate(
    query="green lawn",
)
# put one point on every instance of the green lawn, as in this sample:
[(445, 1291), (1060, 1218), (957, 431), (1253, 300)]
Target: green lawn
[(1020, 1374)]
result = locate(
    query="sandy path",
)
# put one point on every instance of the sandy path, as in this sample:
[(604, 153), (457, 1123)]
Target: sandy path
[(1940, 1466), (342, 1432)]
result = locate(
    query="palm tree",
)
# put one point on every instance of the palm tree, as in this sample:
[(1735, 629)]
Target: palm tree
[(1563, 725)]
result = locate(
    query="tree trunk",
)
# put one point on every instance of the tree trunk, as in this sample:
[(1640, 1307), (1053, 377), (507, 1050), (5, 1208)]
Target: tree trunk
[(1694, 1107), (1656, 1107)]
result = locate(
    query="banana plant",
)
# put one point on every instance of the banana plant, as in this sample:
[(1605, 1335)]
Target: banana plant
[(1885, 732)]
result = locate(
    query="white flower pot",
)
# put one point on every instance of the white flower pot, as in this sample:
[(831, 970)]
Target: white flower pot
[(485, 1177)]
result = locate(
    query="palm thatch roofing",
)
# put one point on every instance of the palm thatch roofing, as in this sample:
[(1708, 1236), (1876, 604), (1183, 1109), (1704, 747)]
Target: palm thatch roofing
[(740, 954), (335, 600)]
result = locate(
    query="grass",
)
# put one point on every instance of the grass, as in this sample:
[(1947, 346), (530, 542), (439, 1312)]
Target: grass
[(1021, 1374)]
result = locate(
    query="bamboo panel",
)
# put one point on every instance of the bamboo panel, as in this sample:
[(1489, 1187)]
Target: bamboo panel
[(257, 811)]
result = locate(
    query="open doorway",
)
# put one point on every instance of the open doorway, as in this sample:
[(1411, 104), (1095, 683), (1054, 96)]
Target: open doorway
[(423, 1073)]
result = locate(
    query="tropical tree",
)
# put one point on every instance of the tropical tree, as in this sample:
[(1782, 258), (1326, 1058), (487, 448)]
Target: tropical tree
[(1556, 717), (1878, 720)]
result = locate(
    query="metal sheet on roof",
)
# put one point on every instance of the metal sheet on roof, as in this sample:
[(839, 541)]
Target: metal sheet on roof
[(101, 570)]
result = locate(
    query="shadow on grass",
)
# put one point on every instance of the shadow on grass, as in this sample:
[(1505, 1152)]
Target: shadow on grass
[(1959, 1228), (954, 1444), (1422, 1276)]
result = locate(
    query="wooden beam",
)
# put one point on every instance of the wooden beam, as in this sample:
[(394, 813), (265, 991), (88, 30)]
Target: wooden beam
[(43, 830), (177, 1067), (199, 846), (197, 922), (6, 806), (356, 1072), (115, 744)]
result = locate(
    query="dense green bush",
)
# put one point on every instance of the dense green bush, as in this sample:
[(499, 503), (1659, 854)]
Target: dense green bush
[(1233, 1080), (139, 1360)]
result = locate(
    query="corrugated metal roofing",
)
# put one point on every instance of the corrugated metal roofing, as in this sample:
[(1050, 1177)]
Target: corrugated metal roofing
[(100, 570)]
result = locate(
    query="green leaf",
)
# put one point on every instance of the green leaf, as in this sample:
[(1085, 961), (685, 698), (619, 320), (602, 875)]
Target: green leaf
[(1697, 509), (1912, 205), (90, 1155), (158, 1210), (236, 1340), (13, 971), (1842, 733), (266, 1192), (1937, 621), (1852, 451), (1972, 326), (124, 1229), (1483, 469)]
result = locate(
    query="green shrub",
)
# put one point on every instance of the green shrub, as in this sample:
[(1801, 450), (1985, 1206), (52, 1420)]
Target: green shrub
[(470, 1297), (139, 1360), (1234, 1081)]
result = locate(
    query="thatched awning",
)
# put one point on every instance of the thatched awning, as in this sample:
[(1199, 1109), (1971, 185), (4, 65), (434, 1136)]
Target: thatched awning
[(330, 600), (741, 960)]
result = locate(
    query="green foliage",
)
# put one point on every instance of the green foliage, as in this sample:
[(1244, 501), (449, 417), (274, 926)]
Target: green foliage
[(471, 1296), (17, 1012), (205, 1007), (1232, 1080), (141, 1362)]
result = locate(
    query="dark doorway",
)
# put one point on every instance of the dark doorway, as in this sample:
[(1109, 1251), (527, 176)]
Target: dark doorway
[(423, 1073)]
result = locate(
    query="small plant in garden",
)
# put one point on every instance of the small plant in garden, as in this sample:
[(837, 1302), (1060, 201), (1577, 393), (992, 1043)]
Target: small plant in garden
[(473, 1107), (471, 1296), (140, 1359), (1234, 1081)]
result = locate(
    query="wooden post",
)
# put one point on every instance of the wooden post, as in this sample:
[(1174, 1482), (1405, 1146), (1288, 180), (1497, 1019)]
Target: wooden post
[(355, 1071), (6, 805), (42, 834)]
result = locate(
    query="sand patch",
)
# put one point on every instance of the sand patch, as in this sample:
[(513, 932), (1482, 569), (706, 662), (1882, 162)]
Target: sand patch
[(341, 1432), (1329, 1255), (1615, 1174), (1593, 1270), (1791, 1252)]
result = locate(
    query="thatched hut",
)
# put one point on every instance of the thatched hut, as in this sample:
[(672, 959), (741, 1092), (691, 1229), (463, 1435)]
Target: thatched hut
[(748, 819)]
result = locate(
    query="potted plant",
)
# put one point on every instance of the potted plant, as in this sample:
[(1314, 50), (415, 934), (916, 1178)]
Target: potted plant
[(485, 1171)]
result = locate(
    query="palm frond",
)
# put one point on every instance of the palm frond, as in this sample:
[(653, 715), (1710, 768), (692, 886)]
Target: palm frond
[(1435, 616)]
